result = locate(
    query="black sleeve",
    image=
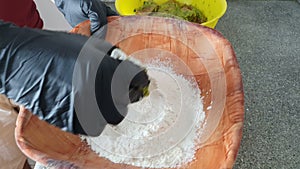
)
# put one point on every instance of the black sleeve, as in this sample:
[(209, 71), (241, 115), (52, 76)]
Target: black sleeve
[(36, 71)]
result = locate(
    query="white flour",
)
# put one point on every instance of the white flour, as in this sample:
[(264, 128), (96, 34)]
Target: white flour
[(162, 130)]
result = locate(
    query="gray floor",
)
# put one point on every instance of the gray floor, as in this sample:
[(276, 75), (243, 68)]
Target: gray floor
[(266, 39)]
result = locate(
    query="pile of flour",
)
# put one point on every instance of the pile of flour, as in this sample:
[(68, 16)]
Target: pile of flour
[(161, 130)]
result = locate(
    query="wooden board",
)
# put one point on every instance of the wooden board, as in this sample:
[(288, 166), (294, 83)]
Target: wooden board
[(212, 61)]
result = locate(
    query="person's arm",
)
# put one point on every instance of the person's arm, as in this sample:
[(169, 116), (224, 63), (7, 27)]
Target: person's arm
[(37, 70)]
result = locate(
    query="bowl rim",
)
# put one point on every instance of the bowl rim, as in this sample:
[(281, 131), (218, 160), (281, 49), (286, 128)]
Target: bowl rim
[(218, 16)]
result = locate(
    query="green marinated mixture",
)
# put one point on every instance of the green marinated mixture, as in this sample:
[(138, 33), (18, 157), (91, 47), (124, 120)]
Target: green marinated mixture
[(172, 9)]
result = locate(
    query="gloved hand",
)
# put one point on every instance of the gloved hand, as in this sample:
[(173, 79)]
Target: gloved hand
[(119, 83), (78, 11), (37, 67), (139, 85)]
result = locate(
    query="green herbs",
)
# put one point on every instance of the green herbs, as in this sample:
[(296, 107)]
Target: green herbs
[(148, 7), (172, 9)]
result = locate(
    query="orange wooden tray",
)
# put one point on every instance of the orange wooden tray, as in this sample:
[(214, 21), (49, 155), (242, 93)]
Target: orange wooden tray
[(212, 61)]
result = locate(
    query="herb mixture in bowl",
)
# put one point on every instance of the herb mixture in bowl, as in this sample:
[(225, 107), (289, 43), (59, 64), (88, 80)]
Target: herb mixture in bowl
[(172, 9)]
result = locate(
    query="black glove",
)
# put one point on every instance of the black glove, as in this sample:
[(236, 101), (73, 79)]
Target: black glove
[(36, 70), (77, 11), (139, 85), (116, 102)]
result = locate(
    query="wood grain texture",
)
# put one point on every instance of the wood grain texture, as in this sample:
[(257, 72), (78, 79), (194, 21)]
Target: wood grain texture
[(212, 62)]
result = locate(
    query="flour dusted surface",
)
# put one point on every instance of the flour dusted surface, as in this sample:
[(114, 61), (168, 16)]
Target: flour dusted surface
[(161, 130)]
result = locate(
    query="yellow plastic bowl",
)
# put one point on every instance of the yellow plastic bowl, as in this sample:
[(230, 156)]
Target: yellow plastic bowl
[(212, 9)]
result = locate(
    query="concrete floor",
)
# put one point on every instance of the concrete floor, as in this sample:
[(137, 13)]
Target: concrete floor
[(266, 39)]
